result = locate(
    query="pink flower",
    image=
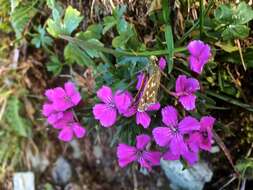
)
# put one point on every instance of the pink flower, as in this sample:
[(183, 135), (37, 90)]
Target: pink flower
[(51, 114), (172, 136), (203, 138), (199, 55), (63, 99), (185, 89), (141, 81), (69, 127), (162, 63), (142, 118), (106, 112), (127, 154)]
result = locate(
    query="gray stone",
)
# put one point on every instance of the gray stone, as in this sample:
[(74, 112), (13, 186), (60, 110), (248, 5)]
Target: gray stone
[(23, 181), (61, 172), (192, 178), (76, 149)]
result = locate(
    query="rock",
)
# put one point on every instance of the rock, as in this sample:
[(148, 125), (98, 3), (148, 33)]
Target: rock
[(193, 178), (61, 172), (76, 149), (23, 181), (38, 161)]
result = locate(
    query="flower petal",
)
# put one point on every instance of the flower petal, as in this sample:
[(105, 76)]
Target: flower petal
[(123, 101), (188, 102), (47, 109), (169, 156), (195, 47), (154, 107), (141, 80), (54, 117), (66, 134), (162, 135), (207, 122), (64, 121), (162, 63), (142, 141), (126, 154), (61, 101), (105, 94), (105, 114), (130, 111), (192, 85), (50, 94), (177, 145), (78, 130), (72, 93), (188, 124), (169, 115), (196, 65), (180, 83), (191, 157), (143, 118), (153, 157)]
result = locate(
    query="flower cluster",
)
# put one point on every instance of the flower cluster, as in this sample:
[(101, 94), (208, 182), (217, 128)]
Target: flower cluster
[(59, 111), (177, 136)]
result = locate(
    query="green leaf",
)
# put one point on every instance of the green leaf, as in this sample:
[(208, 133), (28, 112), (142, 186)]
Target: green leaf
[(120, 41), (109, 22), (20, 18), (18, 124), (71, 20), (92, 32), (56, 26), (54, 65), (235, 32), (245, 167), (40, 38), (244, 13), (72, 53), (224, 14)]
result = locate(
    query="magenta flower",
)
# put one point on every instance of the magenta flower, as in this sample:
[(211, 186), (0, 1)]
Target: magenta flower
[(141, 80), (162, 63), (106, 112), (66, 98), (142, 118), (127, 154), (185, 89), (69, 127), (199, 55), (203, 138), (51, 114), (172, 135)]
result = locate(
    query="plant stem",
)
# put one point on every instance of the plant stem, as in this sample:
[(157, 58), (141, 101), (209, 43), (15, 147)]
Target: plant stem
[(86, 45), (201, 18)]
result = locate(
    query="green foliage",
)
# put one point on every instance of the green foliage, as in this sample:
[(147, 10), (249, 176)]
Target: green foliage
[(54, 65), (21, 14), (245, 167), (18, 124), (231, 21), (57, 26), (41, 39)]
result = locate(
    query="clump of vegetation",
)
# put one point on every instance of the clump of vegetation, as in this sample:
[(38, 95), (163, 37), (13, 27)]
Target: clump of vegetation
[(139, 72)]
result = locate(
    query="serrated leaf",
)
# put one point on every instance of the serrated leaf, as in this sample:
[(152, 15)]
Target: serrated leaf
[(109, 22), (20, 18), (71, 20), (40, 38), (235, 32), (244, 13), (54, 65), (12, 115), (224, 13), (72, 53)]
